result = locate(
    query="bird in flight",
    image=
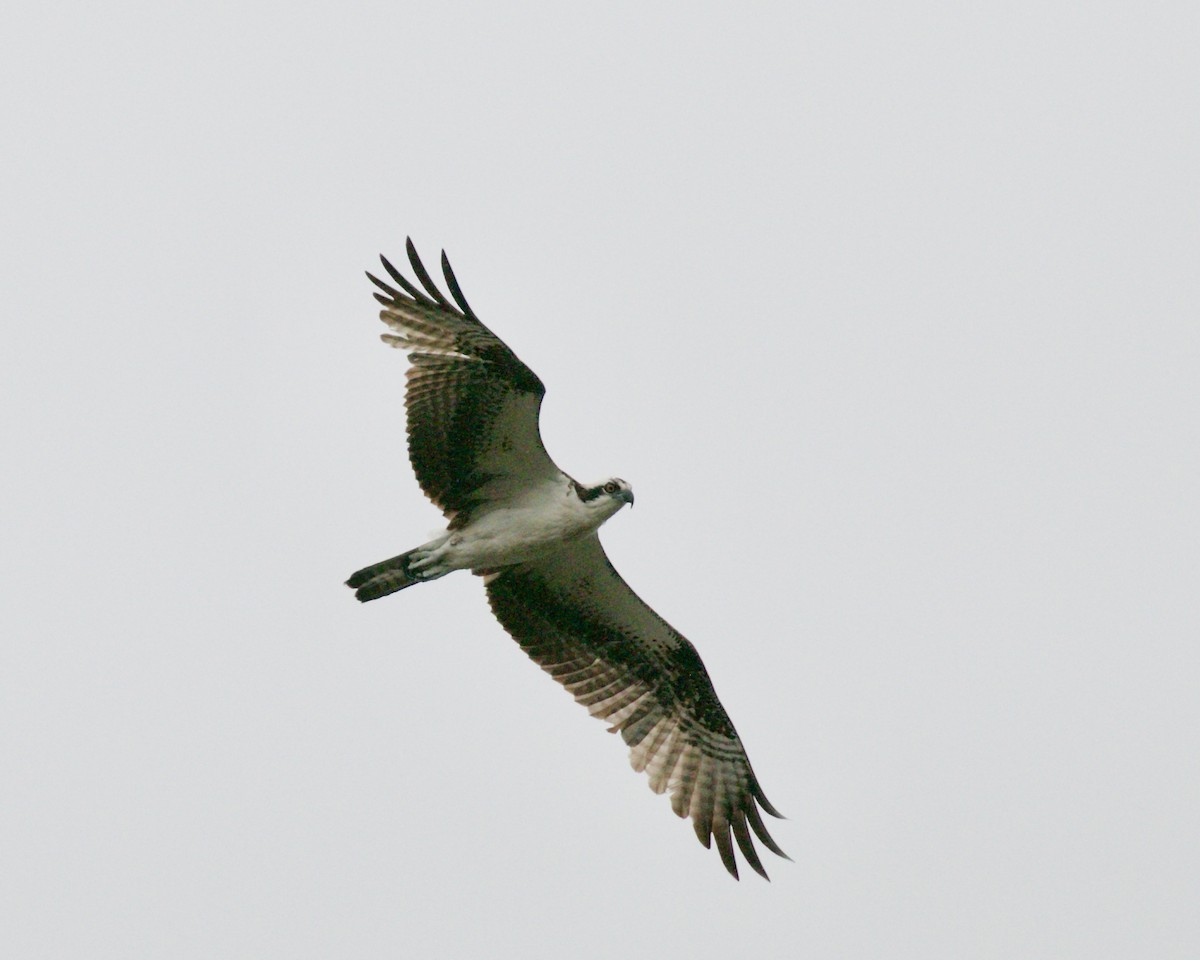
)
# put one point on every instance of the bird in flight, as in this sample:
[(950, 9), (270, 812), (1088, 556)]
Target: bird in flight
[(530, 531)]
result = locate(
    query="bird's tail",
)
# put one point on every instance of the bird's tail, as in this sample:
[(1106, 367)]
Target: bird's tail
[(380, 579)]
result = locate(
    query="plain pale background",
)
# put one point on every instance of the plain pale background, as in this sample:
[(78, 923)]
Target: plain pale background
[(888, 312)]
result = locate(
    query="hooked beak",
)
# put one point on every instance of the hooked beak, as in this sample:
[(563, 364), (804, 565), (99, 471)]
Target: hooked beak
[(627, 496)]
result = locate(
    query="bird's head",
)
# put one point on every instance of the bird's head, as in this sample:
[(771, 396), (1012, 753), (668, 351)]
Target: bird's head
[(607, 497)]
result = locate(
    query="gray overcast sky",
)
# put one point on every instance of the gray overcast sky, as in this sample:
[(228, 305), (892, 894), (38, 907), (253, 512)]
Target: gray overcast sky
[(889, 312)]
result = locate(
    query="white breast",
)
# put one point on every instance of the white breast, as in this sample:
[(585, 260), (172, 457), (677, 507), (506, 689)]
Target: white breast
[(542, 518)]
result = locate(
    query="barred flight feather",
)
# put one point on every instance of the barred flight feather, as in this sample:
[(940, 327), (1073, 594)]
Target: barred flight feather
[(617, 655)]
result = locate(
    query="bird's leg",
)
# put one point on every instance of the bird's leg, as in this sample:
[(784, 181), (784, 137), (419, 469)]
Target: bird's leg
[(425, 563)]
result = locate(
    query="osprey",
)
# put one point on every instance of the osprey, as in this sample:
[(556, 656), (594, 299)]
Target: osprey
[(530, 531)]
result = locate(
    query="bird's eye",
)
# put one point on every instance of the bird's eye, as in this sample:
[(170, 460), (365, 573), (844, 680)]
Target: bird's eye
[(610, 487)]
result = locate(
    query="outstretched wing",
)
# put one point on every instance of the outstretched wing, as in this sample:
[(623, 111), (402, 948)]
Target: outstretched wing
[(575, 616), (472, 404)]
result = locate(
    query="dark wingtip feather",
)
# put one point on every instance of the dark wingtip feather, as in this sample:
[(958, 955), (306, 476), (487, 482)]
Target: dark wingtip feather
[(764, 802), (423, 274), (455, 289), (725, 847), (387, 288), (402, 280), (742, 834), (760, 831)]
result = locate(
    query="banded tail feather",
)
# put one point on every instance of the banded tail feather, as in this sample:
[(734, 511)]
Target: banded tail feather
[(380, 579)]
